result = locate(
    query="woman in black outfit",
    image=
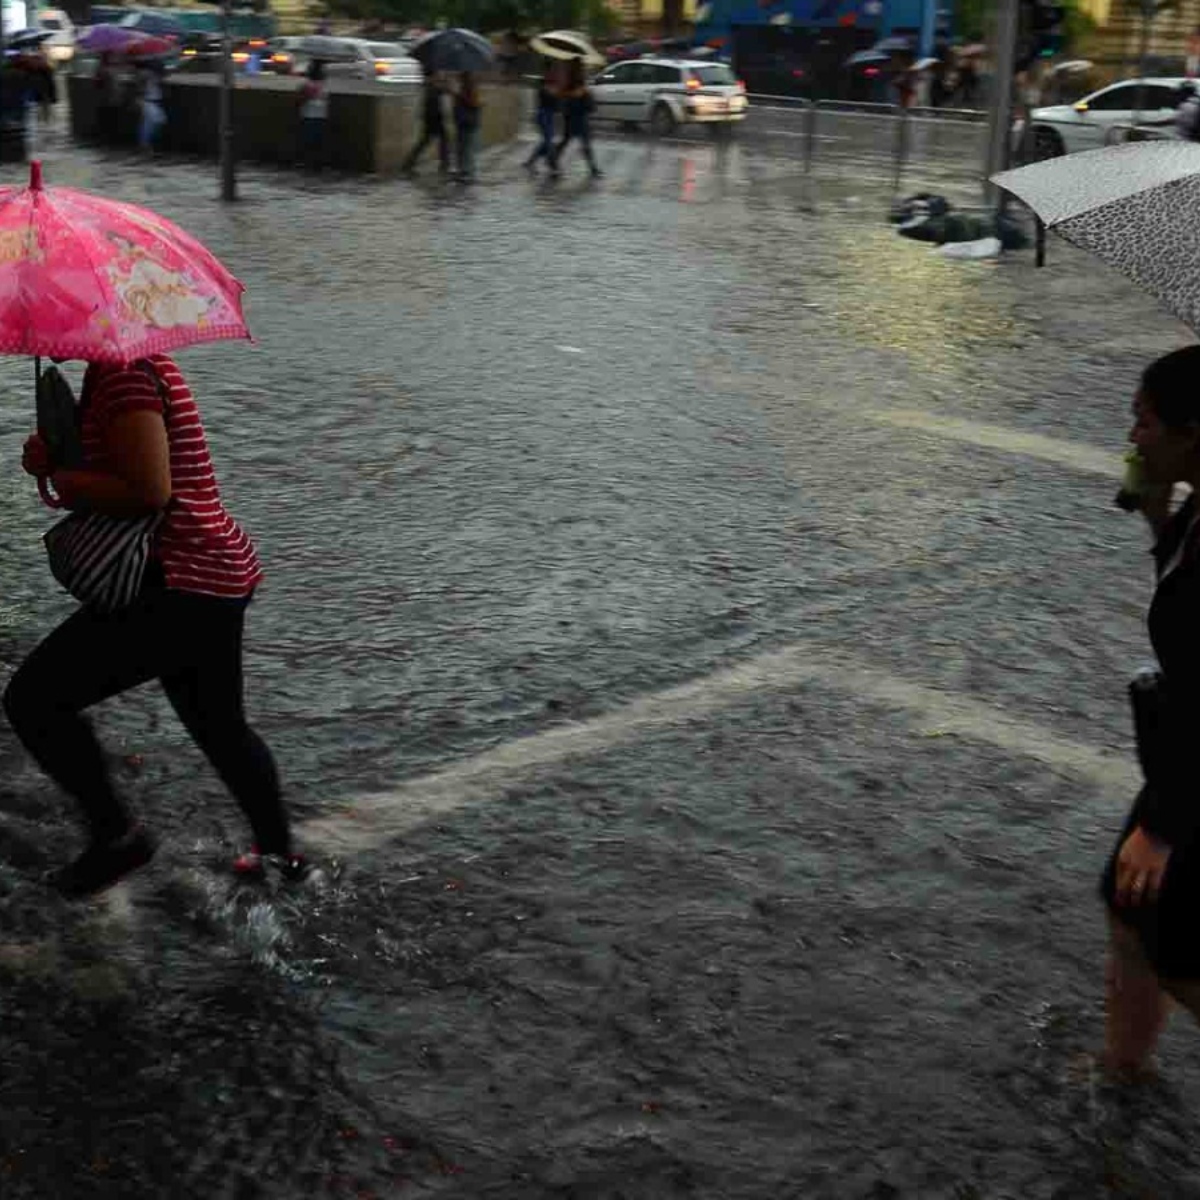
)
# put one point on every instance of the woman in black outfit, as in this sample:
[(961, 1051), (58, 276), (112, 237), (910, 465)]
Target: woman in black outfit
[(1152, 882)]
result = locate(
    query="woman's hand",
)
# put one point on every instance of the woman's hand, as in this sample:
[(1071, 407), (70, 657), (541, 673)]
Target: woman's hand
[(1141, 865), (36, 457)]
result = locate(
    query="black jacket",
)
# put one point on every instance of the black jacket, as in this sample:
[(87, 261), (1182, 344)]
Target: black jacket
[(1170, 806)]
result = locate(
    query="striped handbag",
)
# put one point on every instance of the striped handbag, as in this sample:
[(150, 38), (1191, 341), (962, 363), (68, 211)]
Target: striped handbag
[(101, 559)]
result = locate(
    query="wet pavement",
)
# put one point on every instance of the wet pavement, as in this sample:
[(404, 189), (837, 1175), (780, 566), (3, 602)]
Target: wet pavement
[(695, 645)]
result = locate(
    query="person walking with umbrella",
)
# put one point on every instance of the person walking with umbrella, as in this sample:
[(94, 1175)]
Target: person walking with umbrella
[(1152, 882), (546, 114), (433, 121), (577, 117), (144, 470), (1134, 206)]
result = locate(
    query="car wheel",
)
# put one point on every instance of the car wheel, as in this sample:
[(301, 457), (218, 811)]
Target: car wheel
[(662, 120), (1046, 144)]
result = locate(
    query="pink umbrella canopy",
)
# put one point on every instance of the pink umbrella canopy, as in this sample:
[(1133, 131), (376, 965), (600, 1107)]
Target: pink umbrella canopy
[(89, 278)]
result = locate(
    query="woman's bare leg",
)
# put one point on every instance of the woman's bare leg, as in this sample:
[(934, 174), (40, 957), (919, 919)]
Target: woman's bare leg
[(1137, 1006)]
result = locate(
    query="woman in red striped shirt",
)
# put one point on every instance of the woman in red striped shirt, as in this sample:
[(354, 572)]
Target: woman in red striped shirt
[(144, 451)]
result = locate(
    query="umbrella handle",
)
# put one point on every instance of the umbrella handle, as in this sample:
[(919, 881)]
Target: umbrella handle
[(48, 497)]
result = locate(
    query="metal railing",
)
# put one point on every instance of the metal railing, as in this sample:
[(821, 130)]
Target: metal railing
[(902, 135)]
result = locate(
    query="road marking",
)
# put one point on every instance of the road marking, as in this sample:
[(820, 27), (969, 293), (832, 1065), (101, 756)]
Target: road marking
[(1076, 455), (569, 349), (372, 820)]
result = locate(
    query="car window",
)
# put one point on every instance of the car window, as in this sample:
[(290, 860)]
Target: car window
[(1118, 99), (387, 50), (1160, 97), (664, 75), (51, 23), (718, 75)]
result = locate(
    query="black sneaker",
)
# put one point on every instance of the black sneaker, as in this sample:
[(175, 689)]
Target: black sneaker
[(104, 863)]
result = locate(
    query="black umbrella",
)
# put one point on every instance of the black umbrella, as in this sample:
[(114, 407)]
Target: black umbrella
[(453, 50)]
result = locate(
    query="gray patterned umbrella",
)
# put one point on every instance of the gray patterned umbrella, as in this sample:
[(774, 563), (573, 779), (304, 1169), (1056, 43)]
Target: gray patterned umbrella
[(1133, 206)]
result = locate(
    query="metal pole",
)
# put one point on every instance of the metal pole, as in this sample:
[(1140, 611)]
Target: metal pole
[(1000, 117), (3, 71), (1139, 99), (228, 179), (810, 134), (928, 28), (900, 151), (810, 148), (1040, 233)]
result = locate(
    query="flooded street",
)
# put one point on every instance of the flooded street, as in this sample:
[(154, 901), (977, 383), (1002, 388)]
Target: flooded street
[(694, 641)]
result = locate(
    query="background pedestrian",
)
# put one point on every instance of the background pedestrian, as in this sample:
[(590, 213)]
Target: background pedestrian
[(468, 111), (314, 115), (152, 115), (433, 123), (106, 88), (577, 106), (545, 114)]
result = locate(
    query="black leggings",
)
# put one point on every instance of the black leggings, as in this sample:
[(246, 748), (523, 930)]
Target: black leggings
[(192, 644)]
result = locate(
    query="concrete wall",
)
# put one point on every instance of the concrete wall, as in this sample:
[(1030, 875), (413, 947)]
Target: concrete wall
[(370, 126)]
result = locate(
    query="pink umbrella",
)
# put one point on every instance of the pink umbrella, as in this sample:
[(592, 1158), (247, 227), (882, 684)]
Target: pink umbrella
[(89, 278)]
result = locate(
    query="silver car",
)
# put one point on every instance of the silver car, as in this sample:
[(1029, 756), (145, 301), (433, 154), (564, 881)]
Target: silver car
[(665, 93), (1087, 124), (388, 62), (344, 58)]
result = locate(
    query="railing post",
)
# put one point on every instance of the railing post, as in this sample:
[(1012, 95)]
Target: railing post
[(228, 180), (810, 134), (900, 151)]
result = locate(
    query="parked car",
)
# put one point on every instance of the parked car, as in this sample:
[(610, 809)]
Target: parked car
[(344, 58), (666, 93), (60, 46), (388, 62), (1085, 125)]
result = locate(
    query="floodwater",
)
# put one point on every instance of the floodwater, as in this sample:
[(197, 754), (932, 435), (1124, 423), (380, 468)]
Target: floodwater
[(788, 550)]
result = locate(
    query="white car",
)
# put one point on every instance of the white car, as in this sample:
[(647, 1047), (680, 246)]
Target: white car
[(344, 58), (668, 92), (388, 62), (60, 45), (1086, 125)]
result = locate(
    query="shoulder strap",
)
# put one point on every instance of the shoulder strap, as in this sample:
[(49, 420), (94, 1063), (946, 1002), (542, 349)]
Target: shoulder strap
[(164, 393)]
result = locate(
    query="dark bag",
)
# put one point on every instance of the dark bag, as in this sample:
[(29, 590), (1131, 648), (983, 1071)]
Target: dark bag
[(58, 418), (1148, 697), (101, 559)]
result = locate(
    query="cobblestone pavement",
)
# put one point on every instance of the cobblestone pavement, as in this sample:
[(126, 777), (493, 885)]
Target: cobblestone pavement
[(695, 642)]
